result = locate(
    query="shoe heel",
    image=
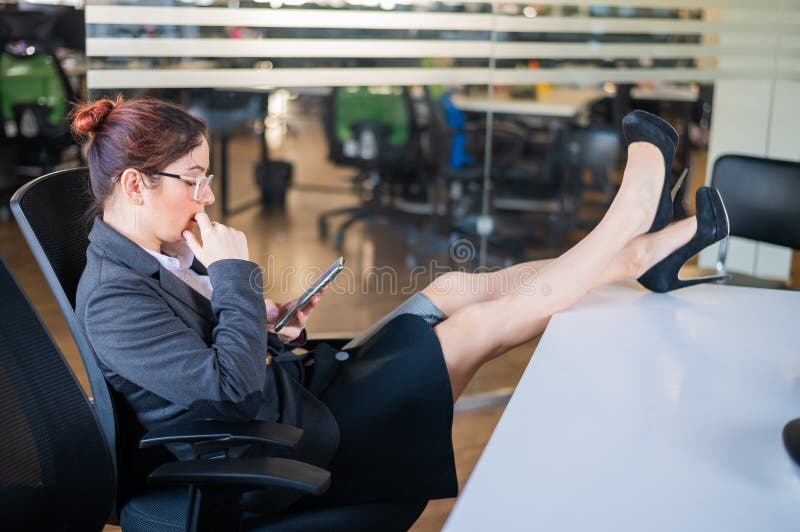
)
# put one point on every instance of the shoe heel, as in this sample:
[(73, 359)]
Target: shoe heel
[(712, 226)]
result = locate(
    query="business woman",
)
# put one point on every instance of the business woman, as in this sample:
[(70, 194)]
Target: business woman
[(171, 304)]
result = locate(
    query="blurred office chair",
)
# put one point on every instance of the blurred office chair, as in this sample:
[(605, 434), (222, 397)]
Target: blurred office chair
[(535, 193), (34, 95), (225, 113), (375, 130), (456, 151), (51, 211), (592, 158), (761, 197), (532, 193)]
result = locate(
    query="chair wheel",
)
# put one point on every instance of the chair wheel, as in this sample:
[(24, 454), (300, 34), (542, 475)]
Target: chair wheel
[(322, 226), (338, 241)]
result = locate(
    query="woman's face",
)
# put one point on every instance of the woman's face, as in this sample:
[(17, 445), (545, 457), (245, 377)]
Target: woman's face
[(171, 207)]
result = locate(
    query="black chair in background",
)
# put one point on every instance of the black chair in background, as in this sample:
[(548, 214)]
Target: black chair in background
[(226, 113), (593, 156), (51, 211), (462, 188), (761, 196), (535, 195)]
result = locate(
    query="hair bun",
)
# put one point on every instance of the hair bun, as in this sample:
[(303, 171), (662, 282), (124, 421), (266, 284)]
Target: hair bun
[(88, 117)]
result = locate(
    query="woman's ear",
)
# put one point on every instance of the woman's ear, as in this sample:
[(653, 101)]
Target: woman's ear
[(132, 183)]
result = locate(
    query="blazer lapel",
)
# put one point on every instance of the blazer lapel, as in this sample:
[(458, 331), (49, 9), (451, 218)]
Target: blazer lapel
[(186, 294), (198, 267), (134, 257)]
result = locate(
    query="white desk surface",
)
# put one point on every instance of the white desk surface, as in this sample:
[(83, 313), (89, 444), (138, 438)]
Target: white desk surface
[(649, 412), (558, 102)]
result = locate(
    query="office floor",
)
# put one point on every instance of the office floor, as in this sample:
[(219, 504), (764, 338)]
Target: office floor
[(283, 240)]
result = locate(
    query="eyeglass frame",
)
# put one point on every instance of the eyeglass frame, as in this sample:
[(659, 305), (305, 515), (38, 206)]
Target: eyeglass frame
[(206, 180)]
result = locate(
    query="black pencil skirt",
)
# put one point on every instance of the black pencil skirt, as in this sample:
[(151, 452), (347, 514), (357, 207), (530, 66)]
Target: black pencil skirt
[(394, 405)]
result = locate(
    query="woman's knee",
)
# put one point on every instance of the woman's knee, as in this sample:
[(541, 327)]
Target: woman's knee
[(448, 291)]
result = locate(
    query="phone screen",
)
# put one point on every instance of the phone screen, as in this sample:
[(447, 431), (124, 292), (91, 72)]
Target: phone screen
[(315, 288)]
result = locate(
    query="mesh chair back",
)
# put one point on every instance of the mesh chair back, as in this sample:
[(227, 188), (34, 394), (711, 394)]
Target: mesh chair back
[(761, 196), (56, 471), (598, 151), (51, 213)]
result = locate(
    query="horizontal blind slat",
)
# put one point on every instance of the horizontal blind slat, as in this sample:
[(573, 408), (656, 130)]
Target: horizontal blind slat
[(408, 48), (401, 20), (328, 77)]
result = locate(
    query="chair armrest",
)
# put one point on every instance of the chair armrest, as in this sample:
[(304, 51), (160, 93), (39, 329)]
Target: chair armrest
[(245, 473), (197, 431)]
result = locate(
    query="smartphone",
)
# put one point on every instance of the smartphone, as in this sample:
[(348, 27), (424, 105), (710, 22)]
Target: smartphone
[(318, 285)]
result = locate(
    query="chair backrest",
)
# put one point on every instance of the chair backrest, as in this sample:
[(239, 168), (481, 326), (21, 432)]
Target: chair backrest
[(56, 471), (51, 213), (761, 196), (595, 150)]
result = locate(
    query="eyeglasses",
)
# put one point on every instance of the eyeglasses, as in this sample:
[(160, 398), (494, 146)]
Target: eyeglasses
[(201, 184)]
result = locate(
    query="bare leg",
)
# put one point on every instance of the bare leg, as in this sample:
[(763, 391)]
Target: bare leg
[(455, 290), (637, 257), (514, 318)]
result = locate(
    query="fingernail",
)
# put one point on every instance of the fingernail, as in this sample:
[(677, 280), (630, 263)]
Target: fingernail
[(272, 312)]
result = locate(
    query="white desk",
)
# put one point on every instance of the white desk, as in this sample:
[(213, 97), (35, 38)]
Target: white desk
[(649, 412), (557, 102)]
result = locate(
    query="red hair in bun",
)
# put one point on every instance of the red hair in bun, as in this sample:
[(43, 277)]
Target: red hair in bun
[(88, 117)]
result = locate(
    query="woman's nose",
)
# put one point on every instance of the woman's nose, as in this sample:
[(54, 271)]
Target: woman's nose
[(208, 197)]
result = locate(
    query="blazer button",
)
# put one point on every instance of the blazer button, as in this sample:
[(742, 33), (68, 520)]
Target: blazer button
[(341, 356), (268, 360)]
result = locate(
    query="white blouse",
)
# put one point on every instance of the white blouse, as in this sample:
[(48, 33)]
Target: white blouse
[(177, 258)]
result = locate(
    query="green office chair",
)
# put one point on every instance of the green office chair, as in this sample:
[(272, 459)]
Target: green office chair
[(373, 129), (34, 132), (33, 104)]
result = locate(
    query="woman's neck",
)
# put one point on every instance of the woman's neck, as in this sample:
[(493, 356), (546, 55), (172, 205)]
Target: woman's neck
[(125, 223)]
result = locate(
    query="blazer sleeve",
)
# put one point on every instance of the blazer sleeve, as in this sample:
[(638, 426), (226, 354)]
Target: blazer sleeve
[(137, 335)]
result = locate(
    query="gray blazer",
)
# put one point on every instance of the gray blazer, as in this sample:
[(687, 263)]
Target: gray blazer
[(169, 352)]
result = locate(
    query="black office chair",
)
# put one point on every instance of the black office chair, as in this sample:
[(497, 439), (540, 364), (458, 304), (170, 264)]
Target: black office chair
[(535, 194), (462, 186), (593, 156), (55, 468), (58, 473), (51, 213), (761, 197)]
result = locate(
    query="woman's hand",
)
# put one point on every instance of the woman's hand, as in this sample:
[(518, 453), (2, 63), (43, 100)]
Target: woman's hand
[(219, 241), (295, 327)]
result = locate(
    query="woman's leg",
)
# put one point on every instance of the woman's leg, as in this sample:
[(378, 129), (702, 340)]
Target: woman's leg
[(515, 318), (455, 290)]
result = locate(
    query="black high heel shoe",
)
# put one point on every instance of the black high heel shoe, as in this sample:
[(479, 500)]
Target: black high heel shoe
[(641, 126), (712, 226)]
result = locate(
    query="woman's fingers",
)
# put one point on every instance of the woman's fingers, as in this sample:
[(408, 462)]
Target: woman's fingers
[(272, 311), (192, 241), (219, 242), (204, 222)]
